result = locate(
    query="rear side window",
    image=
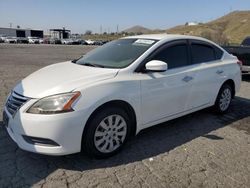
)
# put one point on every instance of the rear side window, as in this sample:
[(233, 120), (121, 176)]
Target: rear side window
[(175, 56), (202, 53), (218, 53)]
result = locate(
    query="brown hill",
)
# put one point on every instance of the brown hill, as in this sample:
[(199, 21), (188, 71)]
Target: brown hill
[(138, 29), (231, 28)]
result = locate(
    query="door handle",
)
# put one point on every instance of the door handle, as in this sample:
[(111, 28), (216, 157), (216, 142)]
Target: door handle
[(219, 71), (187, 78)]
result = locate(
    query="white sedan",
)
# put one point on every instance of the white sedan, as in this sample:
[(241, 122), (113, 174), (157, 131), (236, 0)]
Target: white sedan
[(67, 41), (33, 40), (10, 40), (95, 103)]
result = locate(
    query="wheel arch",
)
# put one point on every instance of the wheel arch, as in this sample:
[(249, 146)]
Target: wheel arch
[(115, 103), (231, 83)]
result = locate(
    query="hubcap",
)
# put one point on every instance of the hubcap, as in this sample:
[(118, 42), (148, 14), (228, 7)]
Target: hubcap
[(110, 133), (225, 99)]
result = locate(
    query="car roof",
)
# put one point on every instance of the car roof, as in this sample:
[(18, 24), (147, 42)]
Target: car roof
[(164, 37)]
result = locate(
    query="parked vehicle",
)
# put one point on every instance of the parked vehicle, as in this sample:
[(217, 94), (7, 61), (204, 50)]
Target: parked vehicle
[(3, 37), (242, 52), (95, 103), (90, 42), (71, 41), (41, 40), (46, 40), (98, 43), (33, 40), (54, 41), (67, 41), (22, 40), (10, 40), (83, 42), (76, 41)]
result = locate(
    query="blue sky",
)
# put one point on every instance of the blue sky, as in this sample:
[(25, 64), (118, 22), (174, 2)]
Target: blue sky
[(82, 15)]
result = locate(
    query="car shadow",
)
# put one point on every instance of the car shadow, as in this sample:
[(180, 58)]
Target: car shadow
[(33, 168)]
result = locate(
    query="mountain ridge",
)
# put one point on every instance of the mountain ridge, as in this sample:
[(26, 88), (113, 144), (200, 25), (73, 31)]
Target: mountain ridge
[(230, 28)]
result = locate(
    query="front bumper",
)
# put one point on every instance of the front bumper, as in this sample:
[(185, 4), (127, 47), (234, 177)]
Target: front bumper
[(64, 129)]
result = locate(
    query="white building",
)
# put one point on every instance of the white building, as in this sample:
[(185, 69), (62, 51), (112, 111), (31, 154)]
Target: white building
[(191, 23)]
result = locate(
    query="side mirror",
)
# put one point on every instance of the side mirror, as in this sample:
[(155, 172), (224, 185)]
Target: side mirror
[(156, 66)]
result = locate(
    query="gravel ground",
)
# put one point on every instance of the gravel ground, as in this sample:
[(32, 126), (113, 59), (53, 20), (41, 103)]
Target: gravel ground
[(198, 150)]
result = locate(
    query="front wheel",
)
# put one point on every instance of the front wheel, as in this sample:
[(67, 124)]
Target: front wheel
[(224, 99), (106, 133)]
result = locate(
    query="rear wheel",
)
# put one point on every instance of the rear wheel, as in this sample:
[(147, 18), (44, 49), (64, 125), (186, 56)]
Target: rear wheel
[(106, 133), (224, 99)]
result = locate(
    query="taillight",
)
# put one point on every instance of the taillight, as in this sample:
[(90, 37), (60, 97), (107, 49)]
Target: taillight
[(240, 64)]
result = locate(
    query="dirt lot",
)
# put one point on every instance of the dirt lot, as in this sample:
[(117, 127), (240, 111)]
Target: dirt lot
[(198, 150)]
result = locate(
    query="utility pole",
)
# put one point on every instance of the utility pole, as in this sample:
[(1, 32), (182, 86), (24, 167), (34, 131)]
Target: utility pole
[(10, 25), (101, 29), (117, 29)]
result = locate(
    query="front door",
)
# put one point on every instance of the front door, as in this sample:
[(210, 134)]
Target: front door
[(164, 94)]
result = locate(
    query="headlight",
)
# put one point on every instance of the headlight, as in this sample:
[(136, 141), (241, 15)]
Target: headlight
[(54, 104)]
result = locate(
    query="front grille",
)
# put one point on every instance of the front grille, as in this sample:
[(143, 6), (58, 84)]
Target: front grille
[(14, 102)]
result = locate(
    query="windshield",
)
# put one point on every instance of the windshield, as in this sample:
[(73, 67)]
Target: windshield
[(117, 54)]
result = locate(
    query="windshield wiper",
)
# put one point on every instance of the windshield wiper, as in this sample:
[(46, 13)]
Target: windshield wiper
[(75, 60), (93, 65)]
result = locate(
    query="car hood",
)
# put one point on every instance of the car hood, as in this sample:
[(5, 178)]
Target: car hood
[(61, 78)]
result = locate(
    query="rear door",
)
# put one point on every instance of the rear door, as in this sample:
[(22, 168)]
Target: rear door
[(209, 71)]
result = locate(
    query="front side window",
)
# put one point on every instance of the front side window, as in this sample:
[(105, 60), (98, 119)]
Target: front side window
[(175, 56), (117, 54)]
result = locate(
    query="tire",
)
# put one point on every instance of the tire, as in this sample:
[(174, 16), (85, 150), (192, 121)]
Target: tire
[(106, 132), (224, 99)]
